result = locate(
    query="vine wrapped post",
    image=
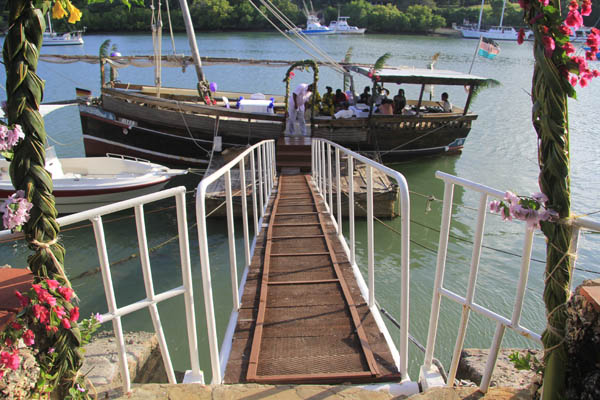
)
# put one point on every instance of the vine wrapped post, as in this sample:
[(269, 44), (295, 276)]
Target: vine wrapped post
[(24, 91), (288, 77), (557, 70)]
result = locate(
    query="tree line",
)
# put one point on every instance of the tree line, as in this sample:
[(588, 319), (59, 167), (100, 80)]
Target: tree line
[(395, 16)]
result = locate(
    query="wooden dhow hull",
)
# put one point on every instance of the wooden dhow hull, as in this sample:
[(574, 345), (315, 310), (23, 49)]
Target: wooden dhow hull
[(178, 130)]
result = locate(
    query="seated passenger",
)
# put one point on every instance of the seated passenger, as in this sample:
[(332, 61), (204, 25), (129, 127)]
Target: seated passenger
[(446, 105), (327, 102), (340, 101), (365, 96), (387, 107), (399, 102)]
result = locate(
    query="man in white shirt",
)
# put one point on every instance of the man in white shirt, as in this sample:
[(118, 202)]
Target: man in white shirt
[(296, 106), (446, 105)]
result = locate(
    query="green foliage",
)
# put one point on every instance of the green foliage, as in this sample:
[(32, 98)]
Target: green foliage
[(526, 363)]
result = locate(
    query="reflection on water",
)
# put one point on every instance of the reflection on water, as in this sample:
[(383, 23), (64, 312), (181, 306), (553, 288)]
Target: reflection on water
[(500, 152)]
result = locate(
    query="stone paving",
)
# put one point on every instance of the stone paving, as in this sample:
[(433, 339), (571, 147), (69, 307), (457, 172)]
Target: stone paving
[(307, 392)]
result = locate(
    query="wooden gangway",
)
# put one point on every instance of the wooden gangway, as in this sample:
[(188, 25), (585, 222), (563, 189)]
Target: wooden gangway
[(302, 318)]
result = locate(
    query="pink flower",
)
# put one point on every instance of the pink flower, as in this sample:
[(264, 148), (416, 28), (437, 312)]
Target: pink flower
[(540, 197), (82, 390), (52, 283), (586, 8), (51, 350), (568, 48), (29, 337), (98, 317), (292, 74), (495, 206), (59, 311), (544, 2), (590, 55), (549, 215), (548, 45), (592, 40), (66, 292), (565, 30), (16, 210), (65, 323), (574, 19), (74, 314), (573, 80), (583, 82), (41, 313), (24, 300), (10, 360), (511, 198), (521, 36)]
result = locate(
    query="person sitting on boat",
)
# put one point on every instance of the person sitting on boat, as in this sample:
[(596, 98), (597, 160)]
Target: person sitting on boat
[(386, 107), (296, 107), (446, 105), (365, 96), (340, 100), (327, 102), (316, 104), (399, 102)]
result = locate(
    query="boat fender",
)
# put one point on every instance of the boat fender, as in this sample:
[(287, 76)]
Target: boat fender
[(239, 101), (213, 86), (271, 104)]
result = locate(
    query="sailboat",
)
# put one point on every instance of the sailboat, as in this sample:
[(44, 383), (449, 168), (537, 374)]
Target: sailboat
[(51, 38), (472, 31)]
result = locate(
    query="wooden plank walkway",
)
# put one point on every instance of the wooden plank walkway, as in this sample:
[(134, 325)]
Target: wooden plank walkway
[(302, 317)]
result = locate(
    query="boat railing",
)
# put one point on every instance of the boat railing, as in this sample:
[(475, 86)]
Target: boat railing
[(430, 376), (115, 312), (262, 180), (126, 157), (326, 176)]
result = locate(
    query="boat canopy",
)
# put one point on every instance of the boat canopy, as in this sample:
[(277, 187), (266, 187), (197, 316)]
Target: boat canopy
[(420, 75)]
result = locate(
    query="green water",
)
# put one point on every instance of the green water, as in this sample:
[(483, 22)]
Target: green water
[(500, 152)]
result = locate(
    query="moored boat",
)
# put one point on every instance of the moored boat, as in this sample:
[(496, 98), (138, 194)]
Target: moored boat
[(51, 38), (475, 31), (341, 27), (177, 128), (84, 183)]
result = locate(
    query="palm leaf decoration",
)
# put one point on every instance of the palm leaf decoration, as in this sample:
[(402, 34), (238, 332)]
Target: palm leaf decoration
[(113, 70), (348, 55), (488, 83), (434, 60), (380, 63), (103, 53), (347, 58)]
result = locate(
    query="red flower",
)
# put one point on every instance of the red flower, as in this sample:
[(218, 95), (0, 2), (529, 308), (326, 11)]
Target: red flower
[(595, 31), (29, 337), (521, 36), (568, 48), (52, 284), (74, 314), (586, 8), (548, 45), (59, 311), (536, 18), (38, 288), (292, 74), (66, 293), (524, 4), (574, 19), (24, 300), (573, 80), (595, 73), (10, 360), (545, 30), (8, 342), (544, 2), (214, 102), (41, 313), (565, 30), (65, 323), (583, 82), (47, 298), (573, 5), (592, 40), (16, 325)]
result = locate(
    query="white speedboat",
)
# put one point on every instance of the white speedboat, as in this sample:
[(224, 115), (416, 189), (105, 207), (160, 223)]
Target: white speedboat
[(314, 27), (62, 39), (341, 27), (84, 183), (474, 31)]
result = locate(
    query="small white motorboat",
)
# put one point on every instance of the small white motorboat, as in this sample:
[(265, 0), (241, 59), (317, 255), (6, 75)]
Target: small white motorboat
[(84, 183)]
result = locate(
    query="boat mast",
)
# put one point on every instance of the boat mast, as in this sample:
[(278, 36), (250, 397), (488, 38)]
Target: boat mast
[(49, 23), (502, 15), (189, 27), (480, 15)]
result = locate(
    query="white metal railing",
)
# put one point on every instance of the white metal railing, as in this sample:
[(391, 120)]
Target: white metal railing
[(323, 169), (115, 313), (429, 376), (262, 172)]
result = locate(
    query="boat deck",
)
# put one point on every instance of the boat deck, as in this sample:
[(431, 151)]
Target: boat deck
[(302, 317)]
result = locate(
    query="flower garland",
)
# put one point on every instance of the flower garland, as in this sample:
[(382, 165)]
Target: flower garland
[(546, 20), (532, 209), (47, 313)]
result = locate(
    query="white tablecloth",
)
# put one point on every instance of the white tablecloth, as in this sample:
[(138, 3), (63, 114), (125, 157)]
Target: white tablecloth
[(250, 105)]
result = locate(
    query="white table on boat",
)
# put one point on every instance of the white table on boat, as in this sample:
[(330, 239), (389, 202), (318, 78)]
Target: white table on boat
[(250, 105)]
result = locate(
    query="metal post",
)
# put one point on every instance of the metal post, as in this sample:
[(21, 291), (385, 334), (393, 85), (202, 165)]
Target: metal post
[(338, 184), (245, 212), (254, 205), (351, 209), (149, 286), (260, 183), (329, 181), (186, 275), (231, 240), (370, 236), (111, 302), (462, 330), (439, 274), (189, 27)]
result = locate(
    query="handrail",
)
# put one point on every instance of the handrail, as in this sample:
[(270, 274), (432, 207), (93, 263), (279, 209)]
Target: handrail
[(262, 171), (430, 377), (115, 313), (322, 175)]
